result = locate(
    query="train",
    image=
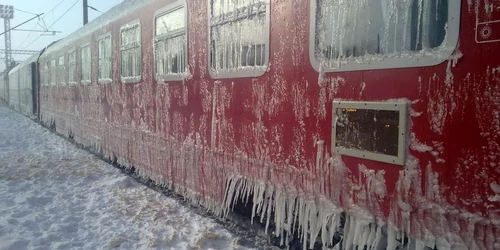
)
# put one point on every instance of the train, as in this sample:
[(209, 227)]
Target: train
[(364, 124)]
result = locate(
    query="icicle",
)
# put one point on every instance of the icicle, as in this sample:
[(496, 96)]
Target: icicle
[(348, 233), (392, 242), (269, 207), (313, 224)]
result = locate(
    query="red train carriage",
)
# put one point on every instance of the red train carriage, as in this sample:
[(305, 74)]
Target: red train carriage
[(377, 119)]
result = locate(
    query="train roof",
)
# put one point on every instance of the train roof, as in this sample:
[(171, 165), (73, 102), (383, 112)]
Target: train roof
[(120, 10), (29, 60), (16, 68), (33, 58)]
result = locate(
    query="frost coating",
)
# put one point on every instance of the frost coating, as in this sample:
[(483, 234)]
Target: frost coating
[(105, 60), (496, 189), (366, 28), (170, 45), (86, 64), (161, 139), (130, 49), (239, 36)]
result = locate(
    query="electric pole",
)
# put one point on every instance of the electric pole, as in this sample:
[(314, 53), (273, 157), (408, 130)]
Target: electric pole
[(7, 13), (85, 12)]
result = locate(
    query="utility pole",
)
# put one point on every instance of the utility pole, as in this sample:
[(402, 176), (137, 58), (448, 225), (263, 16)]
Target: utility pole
[(7, 13), (85, 12)]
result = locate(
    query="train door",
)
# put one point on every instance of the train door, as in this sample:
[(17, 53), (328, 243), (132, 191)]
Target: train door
[(34, 87)]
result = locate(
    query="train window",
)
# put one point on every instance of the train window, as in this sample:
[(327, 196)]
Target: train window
[(170, 44), (46, 73), (72, 67), (105, 60), (370, 130), (85, 64), (376, 34), (42, 73), (239, 38), (60, 71), (53, 69), (131, 55)]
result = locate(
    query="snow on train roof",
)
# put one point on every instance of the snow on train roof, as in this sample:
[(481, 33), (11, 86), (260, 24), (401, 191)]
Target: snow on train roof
[(29, 60), (118, 11)]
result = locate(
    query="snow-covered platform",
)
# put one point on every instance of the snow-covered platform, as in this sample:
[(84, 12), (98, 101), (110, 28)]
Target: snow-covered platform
[(54, 195)]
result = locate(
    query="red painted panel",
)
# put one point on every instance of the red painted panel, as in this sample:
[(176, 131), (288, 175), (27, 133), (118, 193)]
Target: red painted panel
[(271, 134)]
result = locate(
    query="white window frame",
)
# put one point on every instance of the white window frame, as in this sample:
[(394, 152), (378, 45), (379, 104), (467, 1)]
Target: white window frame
[(89, 81), (161, 78), (400, 106), (70, 65), (131, 79), (42, 73), (104, 80), (53, 72), (46, 65), (246, 71), (428, 57), (61, 69)]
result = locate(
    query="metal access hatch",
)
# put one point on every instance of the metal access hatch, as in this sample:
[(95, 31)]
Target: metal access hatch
[(370, 130)]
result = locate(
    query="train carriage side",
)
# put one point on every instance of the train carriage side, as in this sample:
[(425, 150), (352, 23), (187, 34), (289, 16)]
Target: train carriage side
[(23, 85), (14, 89), (375, 118), (3, 95)]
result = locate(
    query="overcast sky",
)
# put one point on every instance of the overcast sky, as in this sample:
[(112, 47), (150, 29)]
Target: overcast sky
[(69, 13)]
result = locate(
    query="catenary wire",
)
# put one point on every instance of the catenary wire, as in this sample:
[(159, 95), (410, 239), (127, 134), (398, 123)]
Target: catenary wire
[(54, 22)]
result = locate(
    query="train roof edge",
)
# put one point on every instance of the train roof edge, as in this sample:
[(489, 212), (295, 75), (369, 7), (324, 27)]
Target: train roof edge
[(120, 10)]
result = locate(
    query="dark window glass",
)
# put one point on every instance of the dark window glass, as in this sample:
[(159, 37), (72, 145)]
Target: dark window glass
[(368, 130)]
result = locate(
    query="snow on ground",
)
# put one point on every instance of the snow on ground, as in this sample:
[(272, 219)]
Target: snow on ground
[(54, 195)]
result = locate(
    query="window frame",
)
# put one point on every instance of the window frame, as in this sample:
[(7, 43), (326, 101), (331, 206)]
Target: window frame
[(89, 81), (240, 72), (131, 79), (162, 78), (75, 73), (99, 79), (41, 69), (46, 64), (411, 59), (53, 72), (61, 69), (400, 106)]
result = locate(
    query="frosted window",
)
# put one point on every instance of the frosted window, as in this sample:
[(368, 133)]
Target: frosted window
[(171, 22), (72, 67), (86, 63), (60, 71), (131, 58), (47, 73), (105, 62), (358, 28), (239, 35), (170, 44), (53, 70), (43, 73)]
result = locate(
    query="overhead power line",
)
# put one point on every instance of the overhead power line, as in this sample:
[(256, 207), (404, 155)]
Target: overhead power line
[(20, 24), (63, 14), (27, 12), (54, 22), (43, 21), (29, 34), (57, 5)]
